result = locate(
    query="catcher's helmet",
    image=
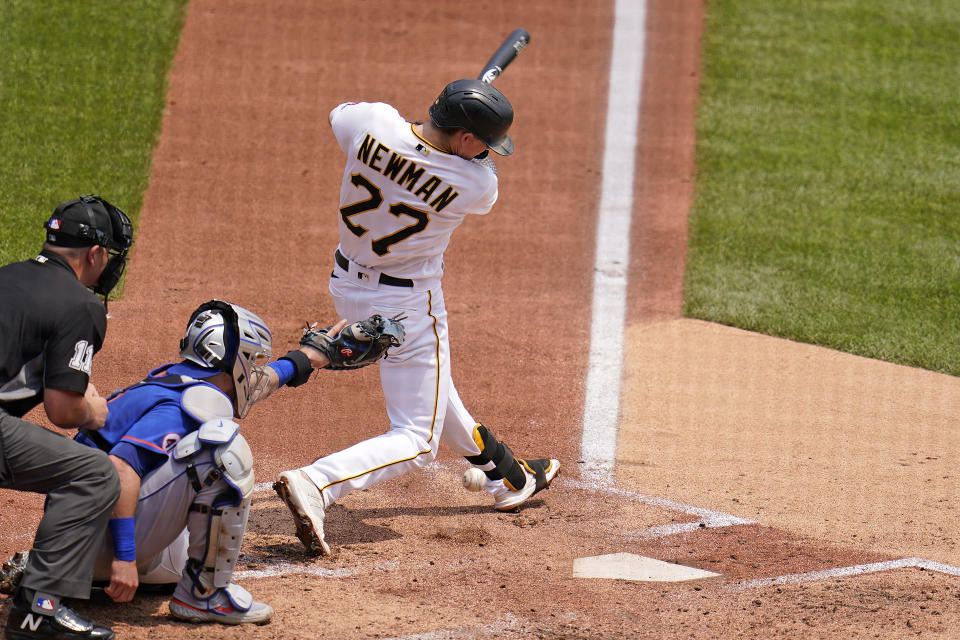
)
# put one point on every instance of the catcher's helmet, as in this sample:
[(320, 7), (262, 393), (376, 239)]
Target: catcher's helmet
[(228, 338), (90, 220), (477, 107)]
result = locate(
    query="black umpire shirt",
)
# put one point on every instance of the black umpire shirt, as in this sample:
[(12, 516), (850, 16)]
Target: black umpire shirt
[(50, 327)]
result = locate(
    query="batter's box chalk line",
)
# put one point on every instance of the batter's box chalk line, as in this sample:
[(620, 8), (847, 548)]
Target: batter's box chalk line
[(286, 568), (713, 519), (274, 567), (707, 519), (844, 572)]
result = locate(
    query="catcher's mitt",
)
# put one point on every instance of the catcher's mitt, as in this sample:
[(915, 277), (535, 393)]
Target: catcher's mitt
[(358, 344)]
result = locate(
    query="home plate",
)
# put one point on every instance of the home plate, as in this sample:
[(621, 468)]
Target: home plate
[(630, 566)]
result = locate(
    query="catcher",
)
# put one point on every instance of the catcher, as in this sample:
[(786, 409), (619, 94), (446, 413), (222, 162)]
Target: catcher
[(186, 474)]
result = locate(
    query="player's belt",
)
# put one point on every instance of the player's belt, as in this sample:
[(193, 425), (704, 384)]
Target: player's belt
[(384, 278)]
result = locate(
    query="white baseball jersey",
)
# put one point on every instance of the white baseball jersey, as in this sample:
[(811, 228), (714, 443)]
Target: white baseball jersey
[(401, 198)]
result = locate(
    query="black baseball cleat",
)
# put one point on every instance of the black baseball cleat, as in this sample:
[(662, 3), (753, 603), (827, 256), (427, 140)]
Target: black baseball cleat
[(43, 617)]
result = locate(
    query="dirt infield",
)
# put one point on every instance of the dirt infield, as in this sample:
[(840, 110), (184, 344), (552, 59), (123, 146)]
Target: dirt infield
[(760, 460)]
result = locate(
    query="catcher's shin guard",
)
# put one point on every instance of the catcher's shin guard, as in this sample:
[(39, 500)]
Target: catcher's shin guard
[(218, 516), (206, 592), (496, 459), (225, 528)]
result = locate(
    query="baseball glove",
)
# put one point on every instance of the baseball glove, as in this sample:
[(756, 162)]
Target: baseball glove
[(358, 344)]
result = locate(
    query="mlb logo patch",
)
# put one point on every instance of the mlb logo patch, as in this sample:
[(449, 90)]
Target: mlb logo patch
[(54, 223), (44, 603), (363, 276)]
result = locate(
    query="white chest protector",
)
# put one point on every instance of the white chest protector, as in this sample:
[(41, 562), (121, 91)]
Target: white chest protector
[(219, 432)]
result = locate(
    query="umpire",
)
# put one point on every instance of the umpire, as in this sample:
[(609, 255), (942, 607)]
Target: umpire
[(50, 328)]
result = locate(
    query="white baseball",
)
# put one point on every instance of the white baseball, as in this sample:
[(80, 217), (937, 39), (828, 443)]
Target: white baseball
[(474, 479)]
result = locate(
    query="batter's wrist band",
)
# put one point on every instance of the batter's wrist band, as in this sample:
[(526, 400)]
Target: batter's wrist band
[(302, 367), (123, 532)]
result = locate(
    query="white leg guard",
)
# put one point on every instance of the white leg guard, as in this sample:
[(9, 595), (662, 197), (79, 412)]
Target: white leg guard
[(225, 527), (218, 517)]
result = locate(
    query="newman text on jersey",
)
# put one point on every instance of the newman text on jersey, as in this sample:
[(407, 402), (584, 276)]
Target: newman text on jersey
[(406, 173)]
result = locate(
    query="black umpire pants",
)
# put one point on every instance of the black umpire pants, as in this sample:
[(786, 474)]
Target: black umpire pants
[(81, 486)]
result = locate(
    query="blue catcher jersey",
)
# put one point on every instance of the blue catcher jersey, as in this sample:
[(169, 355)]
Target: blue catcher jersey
[(146, 420)]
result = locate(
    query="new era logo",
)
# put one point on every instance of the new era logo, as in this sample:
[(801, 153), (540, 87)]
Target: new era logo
[(30, 621)]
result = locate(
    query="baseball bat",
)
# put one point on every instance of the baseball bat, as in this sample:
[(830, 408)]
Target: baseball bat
[(504, 55)]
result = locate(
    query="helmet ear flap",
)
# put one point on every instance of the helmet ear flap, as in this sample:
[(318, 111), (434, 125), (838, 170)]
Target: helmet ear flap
[(196, 342)]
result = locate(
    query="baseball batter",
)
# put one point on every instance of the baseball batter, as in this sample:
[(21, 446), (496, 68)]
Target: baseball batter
[(406, 187)]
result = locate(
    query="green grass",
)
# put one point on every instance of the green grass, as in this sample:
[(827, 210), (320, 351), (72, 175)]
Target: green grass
[(82, 87), (827, 205)]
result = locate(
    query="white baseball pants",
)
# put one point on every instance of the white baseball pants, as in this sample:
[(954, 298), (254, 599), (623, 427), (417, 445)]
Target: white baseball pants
[(422, 403)]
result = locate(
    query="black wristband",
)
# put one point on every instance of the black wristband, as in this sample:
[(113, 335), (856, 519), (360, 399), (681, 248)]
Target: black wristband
[(301, 364)]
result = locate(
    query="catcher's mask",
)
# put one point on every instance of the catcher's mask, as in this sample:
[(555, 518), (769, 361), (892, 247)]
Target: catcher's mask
[(229, 338), (477, 107), (90, 220)]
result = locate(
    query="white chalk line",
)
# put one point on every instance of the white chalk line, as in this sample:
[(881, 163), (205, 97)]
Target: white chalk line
[(281, 568), (504, 625), (844, 572), (288, 568), (708, 519), (261, 487), (602, 398)]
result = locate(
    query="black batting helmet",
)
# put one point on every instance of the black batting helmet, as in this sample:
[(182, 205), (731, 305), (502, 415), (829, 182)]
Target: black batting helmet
[(477, 107)]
